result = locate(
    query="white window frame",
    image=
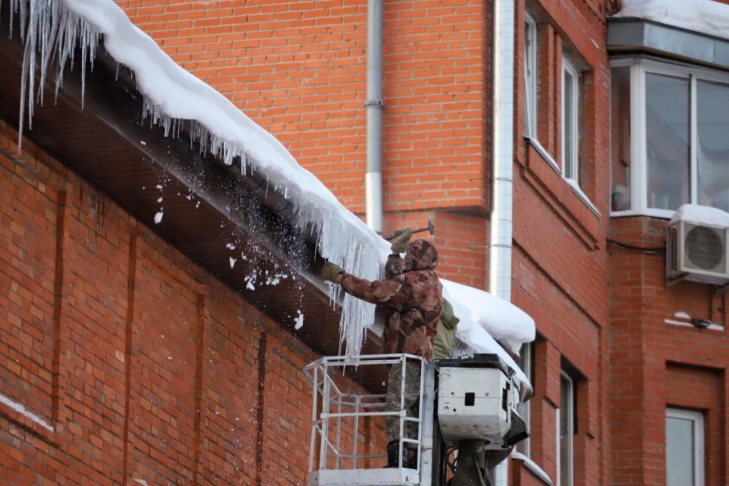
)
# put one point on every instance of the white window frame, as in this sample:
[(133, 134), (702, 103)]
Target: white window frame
[(570, 123), (530, 77), (698, 420), (525, 407), (639, 66), (570, 413)]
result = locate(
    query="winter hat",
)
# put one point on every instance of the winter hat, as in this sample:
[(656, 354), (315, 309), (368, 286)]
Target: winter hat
[(423, 254)]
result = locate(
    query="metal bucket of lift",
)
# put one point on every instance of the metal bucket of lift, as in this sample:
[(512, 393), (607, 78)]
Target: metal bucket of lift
[(341, 415)]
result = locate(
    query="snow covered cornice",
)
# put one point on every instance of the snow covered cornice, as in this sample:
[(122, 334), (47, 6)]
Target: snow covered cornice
[(180, 105), (178, 101)]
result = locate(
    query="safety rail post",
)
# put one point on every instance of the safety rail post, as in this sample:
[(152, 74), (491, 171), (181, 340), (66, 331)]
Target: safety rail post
[(336, 418)]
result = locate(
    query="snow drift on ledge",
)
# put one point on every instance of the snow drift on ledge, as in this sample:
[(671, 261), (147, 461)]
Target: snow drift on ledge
[(174, 96), (703, 16)]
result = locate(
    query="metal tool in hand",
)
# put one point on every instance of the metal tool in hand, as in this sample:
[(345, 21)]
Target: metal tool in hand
[(430, 229)]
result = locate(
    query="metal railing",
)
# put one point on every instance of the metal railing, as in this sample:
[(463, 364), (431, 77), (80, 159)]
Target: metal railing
[(344, 415)]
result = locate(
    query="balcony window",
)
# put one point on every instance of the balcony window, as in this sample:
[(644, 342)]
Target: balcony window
[(669, 137)]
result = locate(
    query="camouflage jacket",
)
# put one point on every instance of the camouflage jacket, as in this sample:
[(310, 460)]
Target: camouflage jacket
[(411, 299)]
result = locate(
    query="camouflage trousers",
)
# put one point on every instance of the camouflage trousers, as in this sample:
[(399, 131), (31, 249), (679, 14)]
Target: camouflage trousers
[(410, 392)]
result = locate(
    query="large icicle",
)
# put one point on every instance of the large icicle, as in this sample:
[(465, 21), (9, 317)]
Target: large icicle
[(55, 28), (52, 31)]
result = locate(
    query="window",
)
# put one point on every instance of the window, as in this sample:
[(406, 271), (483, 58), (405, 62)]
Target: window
[(670, 137), (684, 447), (570, 121), (620, 149), (566, 429), (667, 140), (530, 77), (525, 363)]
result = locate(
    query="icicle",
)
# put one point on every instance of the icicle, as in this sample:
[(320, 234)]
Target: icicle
[(49, 35), (49, 31), (53, 31)]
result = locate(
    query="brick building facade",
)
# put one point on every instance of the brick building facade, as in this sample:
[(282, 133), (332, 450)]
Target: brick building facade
[(299, 69), (612, 360), (135, 362)]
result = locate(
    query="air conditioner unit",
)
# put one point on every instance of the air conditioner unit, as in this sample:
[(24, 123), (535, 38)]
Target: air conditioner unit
[(697, 252)]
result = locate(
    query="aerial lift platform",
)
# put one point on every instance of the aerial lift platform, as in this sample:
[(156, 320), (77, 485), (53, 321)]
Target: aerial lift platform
[(467, 408)]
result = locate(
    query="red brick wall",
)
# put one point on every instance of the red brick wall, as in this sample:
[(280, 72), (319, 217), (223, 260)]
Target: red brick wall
[(306, 85), (704, 390), (658, 363), (299, 69), (559, 262), (130, 362)]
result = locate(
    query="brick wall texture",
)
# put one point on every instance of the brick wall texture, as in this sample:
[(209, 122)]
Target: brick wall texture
[(123, 362), (299, 69)]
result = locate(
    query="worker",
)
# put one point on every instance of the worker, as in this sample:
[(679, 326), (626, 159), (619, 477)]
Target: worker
[(410, 297), (446, 336)]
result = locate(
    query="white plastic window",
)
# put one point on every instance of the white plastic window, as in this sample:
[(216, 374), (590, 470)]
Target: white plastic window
[(566, 429), (672, 146), (570, 121), (525, 363), (684, 447), (530, 77)]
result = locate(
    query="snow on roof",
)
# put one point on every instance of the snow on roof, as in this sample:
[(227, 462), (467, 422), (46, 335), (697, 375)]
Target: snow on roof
[(173, 94), (505, 322), (703, 215), (704, 16)]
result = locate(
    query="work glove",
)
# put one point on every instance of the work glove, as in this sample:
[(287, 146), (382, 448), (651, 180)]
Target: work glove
[(329, 271), (400, 244)]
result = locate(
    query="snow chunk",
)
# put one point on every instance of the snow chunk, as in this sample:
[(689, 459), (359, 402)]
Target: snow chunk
[(472, 338), (502, 320), (701, 215)]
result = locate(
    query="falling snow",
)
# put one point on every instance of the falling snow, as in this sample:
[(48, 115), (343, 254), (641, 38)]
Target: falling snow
[(175, 99)]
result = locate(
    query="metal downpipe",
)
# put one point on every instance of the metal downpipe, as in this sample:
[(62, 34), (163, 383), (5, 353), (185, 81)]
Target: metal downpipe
[(374, 107), (503, 160)]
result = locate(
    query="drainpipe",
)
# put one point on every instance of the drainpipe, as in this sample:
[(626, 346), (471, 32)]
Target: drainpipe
[(503, 158), (374, 107)]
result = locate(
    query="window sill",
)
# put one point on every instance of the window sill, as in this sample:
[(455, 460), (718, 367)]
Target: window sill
[(533, 467), (650, 213), (564, 195), (573, 183), (543, 152), (578, 191)]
